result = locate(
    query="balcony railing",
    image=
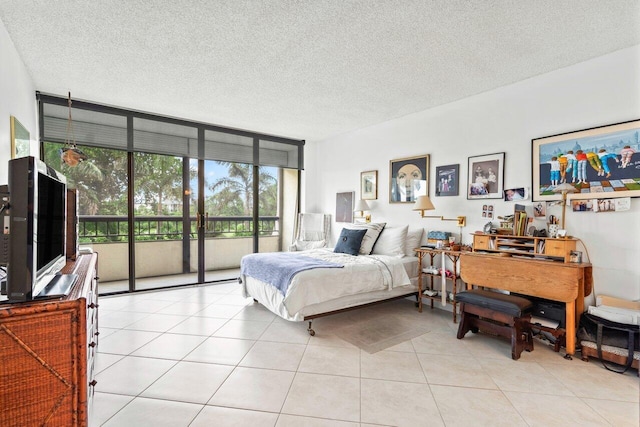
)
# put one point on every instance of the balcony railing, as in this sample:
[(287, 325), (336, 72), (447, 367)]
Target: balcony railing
[(111, 228)]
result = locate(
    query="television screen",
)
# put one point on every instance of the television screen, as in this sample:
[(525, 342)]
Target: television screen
[(37, 231), (50, 221)]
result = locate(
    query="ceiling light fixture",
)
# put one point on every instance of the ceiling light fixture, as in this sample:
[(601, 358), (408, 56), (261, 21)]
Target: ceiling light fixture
[(70, 154)]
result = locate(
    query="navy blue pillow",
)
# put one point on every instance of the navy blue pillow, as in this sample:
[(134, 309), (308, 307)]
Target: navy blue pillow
[(349, 241)]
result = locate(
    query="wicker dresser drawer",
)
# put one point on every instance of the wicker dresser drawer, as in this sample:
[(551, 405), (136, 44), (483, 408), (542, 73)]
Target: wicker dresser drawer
[(47, 362)]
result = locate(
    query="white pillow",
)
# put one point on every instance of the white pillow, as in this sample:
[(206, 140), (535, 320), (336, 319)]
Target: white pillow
[(414, 238), (392, 241), (369, 240)]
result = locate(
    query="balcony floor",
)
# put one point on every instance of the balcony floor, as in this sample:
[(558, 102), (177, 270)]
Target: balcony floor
[(147, 283)]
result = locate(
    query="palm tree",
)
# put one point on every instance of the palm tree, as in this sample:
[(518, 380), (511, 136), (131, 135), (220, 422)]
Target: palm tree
[(237, 186)]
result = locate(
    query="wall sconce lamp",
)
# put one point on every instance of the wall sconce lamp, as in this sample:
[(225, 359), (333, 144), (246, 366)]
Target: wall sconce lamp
[(361, 206), (423, 203), (564, 188)]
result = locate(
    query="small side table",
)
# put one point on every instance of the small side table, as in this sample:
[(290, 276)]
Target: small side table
[(445, 254)]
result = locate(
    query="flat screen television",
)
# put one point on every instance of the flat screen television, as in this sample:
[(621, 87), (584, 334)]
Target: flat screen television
[(37, 231)]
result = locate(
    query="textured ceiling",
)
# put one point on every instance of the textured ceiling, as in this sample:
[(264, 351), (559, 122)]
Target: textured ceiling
[(304, 69)]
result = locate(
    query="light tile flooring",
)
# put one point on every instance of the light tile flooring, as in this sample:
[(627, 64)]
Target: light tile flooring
[(204, 356)]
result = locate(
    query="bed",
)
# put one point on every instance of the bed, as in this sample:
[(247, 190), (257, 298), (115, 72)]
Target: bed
[(384, 269)]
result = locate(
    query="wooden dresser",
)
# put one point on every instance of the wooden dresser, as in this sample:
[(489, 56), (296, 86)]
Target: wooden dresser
[(47, 350)]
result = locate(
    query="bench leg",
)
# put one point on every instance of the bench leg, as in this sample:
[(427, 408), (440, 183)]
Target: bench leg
[(465, 323), (521, 338)]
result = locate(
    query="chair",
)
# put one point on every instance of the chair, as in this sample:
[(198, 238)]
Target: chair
[(311, 231)]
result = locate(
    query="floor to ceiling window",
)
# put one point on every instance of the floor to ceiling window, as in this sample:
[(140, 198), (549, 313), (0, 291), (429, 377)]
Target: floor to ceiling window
[(169, 202), (101, 186)]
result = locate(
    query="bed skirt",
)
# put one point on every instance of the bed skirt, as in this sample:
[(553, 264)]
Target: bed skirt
[(269, 296)]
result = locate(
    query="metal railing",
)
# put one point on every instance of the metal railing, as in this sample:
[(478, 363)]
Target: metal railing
[(113, 228)]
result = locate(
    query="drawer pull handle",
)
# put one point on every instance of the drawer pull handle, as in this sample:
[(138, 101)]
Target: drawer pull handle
[(93, 305), (92, 344), (93, 383)]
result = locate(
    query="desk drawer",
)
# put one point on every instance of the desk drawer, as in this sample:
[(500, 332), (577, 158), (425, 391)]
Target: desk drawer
[(559, 247), (481, 242)]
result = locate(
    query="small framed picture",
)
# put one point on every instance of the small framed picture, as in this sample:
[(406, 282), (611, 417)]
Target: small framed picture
[(575, 256), (19, 139), (369, 185), (485, 176), (447, 180), (344, 206)]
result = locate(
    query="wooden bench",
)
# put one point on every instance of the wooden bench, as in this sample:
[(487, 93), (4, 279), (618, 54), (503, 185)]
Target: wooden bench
[(501, 314)]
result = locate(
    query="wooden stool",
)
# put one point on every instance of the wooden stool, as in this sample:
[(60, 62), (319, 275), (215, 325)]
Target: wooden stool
[(504, 315)]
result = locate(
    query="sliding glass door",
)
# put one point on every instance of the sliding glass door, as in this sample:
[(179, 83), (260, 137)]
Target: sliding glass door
[(227, 218), (168, 202)]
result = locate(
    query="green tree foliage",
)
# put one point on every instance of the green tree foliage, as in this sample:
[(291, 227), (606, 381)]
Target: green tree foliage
[(158, 183), (101, 180), (233, 194)]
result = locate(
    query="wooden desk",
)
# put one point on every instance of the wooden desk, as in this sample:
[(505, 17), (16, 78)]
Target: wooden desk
[(564, 282)]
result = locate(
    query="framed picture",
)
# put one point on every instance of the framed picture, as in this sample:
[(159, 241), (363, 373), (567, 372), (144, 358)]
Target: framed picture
[(344, 206), (447, 180), (486, 176), (575, 256), (601, 162), (369, 185), (19, 139), (408, 179)]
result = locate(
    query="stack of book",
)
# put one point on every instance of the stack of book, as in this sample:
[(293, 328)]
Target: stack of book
[(519, 221)]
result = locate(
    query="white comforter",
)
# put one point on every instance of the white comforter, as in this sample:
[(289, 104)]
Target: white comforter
[(363, 273)]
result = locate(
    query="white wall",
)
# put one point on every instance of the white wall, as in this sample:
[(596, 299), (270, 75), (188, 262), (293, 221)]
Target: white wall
[(17, 98), (601, 91)]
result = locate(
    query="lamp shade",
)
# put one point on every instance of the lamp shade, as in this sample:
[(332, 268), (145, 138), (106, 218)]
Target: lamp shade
[(423, 203), (361, 205), (565, 188)]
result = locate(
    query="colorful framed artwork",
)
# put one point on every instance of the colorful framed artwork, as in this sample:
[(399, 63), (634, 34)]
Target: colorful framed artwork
[(601, 162), (369, 185), (408, 179), (344, 206), (486, 176), (19, 139), (447, 178)]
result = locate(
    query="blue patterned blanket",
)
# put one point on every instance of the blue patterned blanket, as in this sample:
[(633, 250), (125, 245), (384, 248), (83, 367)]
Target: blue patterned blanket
[(278, 268)]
